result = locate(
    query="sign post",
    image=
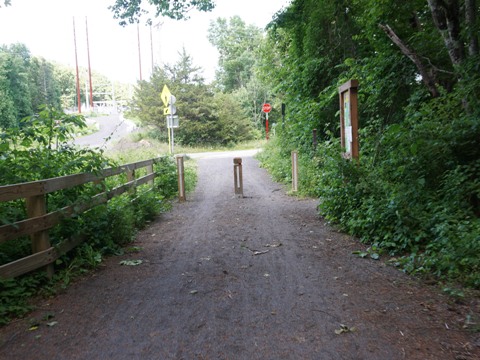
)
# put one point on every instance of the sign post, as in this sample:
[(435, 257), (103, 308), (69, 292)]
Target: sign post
[(349, 119), (266, 108), (169, 110)]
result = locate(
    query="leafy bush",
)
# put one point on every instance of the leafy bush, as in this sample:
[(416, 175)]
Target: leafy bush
[(414, 193), (32, 152)]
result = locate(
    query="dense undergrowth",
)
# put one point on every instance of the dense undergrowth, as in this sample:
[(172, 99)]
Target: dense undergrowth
[(414, 194), (40, 148)]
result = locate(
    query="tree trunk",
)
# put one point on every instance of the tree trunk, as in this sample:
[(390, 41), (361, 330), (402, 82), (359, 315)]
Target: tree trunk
[(446, 16), (428, 77), (471, 21)]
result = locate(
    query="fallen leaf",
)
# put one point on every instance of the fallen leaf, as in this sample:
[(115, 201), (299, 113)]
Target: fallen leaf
[(52, 323), (131, 262), (344, 329), (193, 292), (273, 245), (260, 252)]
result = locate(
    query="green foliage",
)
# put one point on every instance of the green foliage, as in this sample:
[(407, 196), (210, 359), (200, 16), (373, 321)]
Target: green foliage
[(415, 191), (41, 148), (237, 43), (131, 11), (205, 118), (15, 294)]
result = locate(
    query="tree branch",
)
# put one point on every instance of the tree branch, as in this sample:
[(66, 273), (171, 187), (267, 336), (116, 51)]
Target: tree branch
[(428, 77)]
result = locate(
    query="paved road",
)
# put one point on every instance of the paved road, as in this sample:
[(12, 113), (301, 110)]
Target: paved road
[(112, 127)]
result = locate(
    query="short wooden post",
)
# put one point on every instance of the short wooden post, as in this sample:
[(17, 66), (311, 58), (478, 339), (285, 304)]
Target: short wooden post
[(238, 176), (294, 171), (150, 171), (36, 207), (131, 177), (181, 179)]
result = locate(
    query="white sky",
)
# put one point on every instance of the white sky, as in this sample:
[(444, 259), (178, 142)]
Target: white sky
[(46, 28)]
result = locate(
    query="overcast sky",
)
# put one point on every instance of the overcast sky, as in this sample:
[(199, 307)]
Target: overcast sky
[(46, 27)]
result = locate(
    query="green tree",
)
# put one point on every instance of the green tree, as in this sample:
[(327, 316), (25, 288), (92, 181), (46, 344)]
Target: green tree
[(236, 43), (204, 119), (44, 87), (131, 11), (15, 64), (415, 190)]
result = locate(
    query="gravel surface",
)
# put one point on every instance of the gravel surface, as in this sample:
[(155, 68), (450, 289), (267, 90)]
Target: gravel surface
[(258, 277)]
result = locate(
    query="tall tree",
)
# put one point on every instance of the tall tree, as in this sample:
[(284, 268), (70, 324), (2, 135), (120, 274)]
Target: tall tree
[(15, 64), (44, 87), (237, 43), (203, 118), (131, 11)]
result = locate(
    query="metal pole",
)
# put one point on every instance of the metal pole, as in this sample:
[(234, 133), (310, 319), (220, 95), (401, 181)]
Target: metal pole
[(151, 47), (79, 104), (172, 101), (266, 124), (89, 68), (139, 54)]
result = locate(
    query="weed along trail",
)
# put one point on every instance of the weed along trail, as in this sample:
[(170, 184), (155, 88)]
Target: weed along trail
[(255, 277)]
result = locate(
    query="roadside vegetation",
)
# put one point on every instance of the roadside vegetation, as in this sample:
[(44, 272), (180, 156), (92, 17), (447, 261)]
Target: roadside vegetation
[(41, 148), (415, 192)]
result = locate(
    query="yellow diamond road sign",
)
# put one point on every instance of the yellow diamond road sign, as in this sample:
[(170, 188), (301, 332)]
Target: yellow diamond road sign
[(165, 95)]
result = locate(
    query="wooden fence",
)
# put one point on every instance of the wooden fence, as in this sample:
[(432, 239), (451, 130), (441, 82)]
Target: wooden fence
[(38, 221)]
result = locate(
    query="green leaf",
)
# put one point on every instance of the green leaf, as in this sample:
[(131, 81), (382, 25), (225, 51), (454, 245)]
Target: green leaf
[(131, 262)]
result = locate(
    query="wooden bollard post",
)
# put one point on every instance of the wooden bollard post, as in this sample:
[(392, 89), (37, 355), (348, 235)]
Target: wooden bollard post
[(238, 176), (36, 207), (181, 179), (294, 171)]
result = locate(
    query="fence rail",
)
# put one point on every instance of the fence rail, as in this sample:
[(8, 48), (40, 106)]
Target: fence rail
[(38, 221)]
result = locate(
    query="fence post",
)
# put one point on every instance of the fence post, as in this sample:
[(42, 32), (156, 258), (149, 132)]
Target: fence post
[(294, 170), (131, 177), (238, 176), (150, 171), (37, 206), (181, 179)]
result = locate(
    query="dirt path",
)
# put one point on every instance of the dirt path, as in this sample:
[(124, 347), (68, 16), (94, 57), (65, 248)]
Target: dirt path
[(255, 278)]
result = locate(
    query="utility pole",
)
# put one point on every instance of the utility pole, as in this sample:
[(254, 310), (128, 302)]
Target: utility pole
[(151, 47), (139, 53), (89, 68), (79, 104)]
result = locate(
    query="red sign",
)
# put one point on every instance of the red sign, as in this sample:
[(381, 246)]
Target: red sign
[(266, 108)]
